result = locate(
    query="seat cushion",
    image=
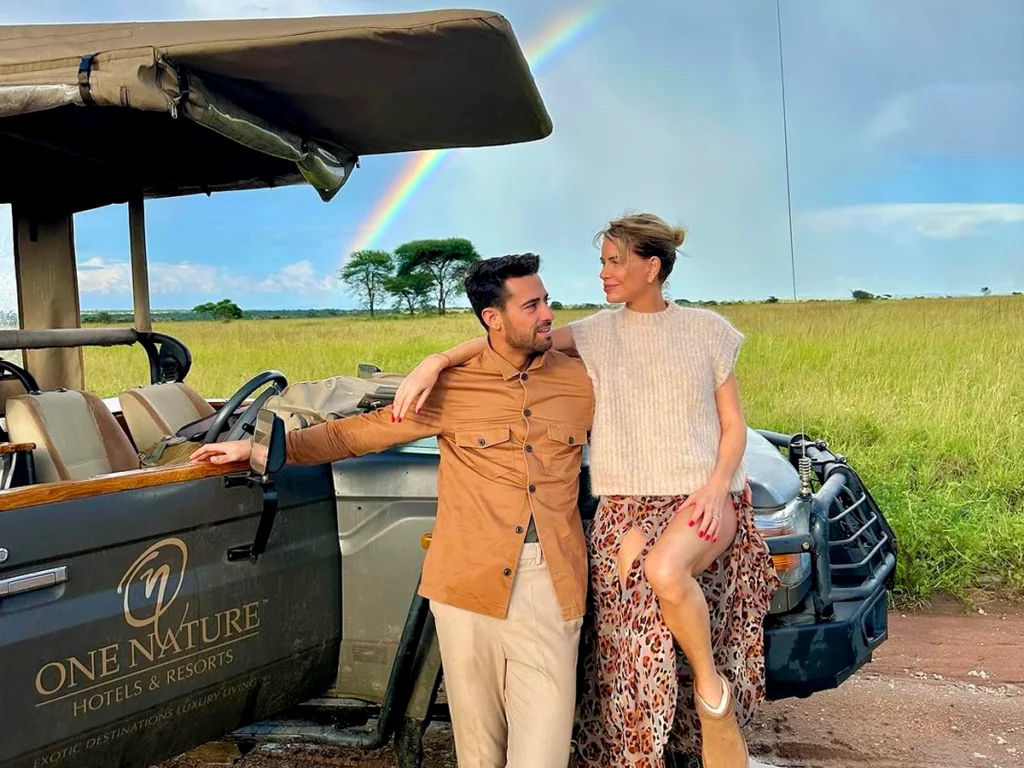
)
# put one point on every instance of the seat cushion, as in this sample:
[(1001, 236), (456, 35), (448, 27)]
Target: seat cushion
[(159, 410), (76, 436)]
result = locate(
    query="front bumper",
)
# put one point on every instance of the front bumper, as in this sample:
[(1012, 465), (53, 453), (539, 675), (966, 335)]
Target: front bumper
[(804, 655), (844, 616)]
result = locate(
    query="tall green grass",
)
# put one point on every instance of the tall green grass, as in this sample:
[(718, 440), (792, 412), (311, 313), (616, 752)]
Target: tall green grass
[(924, 397)]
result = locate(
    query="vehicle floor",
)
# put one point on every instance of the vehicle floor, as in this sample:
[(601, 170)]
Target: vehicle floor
[(945, 691)]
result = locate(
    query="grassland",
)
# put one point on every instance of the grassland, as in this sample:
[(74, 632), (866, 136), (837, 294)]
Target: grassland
[(925, 397)]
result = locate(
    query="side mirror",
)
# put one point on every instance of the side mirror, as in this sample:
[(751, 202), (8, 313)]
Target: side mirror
[(268, 444)]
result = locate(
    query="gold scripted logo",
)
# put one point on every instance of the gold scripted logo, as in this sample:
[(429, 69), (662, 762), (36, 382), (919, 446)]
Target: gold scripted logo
[(166, 561)]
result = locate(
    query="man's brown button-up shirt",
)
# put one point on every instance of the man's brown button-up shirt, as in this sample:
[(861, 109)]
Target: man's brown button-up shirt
[(511, 447)]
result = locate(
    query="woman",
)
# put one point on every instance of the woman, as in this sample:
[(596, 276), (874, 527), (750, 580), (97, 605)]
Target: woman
[(675, 559)]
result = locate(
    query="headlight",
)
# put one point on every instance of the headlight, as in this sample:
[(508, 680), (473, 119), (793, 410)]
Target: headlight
[(793, 518)]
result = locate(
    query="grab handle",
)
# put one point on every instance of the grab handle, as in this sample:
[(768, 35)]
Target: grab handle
[(28, 582)]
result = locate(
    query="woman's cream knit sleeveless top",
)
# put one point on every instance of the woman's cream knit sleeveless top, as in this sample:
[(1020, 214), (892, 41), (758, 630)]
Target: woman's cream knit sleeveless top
[(656, 428)]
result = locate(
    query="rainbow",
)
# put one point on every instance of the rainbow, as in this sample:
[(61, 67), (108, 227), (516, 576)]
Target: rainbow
[(554, 38)]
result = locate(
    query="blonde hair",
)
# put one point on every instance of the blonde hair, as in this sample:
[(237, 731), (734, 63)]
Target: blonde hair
[(647, 236)]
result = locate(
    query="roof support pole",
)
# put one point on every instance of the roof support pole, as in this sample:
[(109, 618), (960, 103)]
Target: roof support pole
[(140, 267), (47, 275)]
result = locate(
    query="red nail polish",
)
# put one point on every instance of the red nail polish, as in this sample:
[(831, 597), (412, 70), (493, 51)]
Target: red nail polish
[(702, 534), (691, 523), (392, 418)]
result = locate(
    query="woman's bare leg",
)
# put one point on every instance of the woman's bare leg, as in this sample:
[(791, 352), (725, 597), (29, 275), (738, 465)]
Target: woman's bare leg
[(671, 568)]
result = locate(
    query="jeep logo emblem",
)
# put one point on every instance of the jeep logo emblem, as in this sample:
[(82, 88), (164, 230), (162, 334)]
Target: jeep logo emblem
[(160, 570)]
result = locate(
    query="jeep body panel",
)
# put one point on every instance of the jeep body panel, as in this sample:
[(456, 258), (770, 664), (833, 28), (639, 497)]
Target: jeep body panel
[(386, 506)]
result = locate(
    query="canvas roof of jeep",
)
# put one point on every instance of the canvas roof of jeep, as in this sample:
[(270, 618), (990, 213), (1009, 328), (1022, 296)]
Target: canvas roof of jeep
[(91, 114)]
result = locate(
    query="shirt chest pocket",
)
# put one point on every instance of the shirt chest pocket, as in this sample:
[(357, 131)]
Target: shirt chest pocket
[(563, 451), (487, 451)]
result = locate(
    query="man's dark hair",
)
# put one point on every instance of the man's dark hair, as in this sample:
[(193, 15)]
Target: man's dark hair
[(485, 280)]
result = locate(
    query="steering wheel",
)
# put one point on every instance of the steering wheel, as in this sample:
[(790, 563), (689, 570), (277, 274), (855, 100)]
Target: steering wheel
[(278, 382), (10, 370)]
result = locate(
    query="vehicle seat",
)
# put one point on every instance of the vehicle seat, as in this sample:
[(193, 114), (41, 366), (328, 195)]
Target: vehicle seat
[(160, 410), (76, 436)]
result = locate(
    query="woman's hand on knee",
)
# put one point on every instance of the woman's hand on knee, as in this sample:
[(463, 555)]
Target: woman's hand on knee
[(706, 507)]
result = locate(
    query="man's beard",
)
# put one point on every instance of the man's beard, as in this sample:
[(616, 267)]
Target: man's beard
[(530, 342)]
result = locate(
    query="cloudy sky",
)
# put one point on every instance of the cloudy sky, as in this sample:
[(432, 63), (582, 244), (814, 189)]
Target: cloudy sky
[(906, 158)]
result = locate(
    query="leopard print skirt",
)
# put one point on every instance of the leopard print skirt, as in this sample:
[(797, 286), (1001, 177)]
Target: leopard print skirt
[(637, 690)]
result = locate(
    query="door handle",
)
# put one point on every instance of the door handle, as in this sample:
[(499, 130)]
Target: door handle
[(30, 581)]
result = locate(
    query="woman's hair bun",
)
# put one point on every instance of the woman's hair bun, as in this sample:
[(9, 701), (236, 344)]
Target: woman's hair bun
[(678, 235)]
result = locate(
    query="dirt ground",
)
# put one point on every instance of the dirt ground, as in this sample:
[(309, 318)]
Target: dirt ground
[(945, 691)]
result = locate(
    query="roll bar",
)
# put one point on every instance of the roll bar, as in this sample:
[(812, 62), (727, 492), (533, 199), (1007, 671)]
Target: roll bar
[(169, 359), (58, 338)]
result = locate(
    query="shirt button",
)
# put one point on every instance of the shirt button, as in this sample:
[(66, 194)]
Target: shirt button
[(571, 440), (533, 489), (527, 413), (524, 376), (481, 441), (519, 529), (529, 449), (507, 571)]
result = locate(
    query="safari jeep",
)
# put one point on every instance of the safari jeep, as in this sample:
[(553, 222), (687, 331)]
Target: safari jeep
[(148, 605)]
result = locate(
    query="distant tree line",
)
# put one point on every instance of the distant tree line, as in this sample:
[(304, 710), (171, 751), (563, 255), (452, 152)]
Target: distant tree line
[(862, 295), (114, 317), (420, 275)]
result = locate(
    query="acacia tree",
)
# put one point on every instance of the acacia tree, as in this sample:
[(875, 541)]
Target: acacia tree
[(410, 291), (445, 261), (225, 309), (365, 274)]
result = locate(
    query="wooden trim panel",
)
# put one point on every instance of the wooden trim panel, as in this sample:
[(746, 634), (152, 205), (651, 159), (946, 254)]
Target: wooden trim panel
[(16, 448), (49, 493)]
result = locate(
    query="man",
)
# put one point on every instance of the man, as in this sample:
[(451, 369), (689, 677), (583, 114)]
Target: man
[(506, 571)]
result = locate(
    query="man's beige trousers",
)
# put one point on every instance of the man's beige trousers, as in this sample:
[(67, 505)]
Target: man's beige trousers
[(511, 683)]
